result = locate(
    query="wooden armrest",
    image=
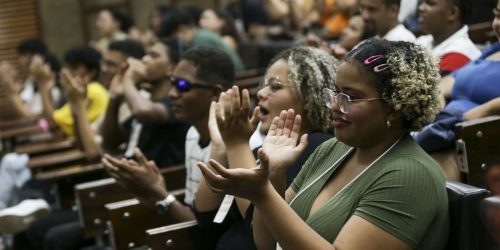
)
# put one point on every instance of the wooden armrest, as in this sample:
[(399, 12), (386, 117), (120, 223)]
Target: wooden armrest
[(92, 209), (91, 197), (45, 147), (20, 131), (50, 161), (68, 172), (128, 220), (18, 122), (185, 236), (478, 146)]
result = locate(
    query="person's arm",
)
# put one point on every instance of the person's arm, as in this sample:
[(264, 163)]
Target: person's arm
[(45, 81), (7, 84), (143, 179), (113, 134), (142, 108), (446, 85), (76, 94), (486, 109), (236, 129), (205, 199)]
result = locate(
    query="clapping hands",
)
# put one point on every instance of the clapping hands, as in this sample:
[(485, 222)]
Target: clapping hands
[(231, 113), (280, 150)]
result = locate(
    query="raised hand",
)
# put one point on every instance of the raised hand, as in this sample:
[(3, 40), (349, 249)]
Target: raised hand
[(141, 178), (8, 75), (136, 71), (40, 71), (280, 149), (116, 85), (74, 87), (245, 183), (232, 117)]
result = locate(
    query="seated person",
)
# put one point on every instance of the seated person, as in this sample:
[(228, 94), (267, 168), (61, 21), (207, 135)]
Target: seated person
[(472, 92), (282, 89), (84, 63), (381, 16), (371, 187), (179, 25), (222, 24), (199, 77), (445, 21)]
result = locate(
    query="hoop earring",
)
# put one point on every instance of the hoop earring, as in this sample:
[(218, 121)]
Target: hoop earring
[(388, 123)]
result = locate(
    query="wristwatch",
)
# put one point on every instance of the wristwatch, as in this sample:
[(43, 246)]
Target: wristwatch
[(162, 205)]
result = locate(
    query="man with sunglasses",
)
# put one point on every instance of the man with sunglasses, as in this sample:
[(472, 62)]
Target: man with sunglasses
[(198, 79)]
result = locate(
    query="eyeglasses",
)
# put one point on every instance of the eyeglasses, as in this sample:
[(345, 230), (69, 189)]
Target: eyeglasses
[(273, 82), (342, 100), (184, 85)]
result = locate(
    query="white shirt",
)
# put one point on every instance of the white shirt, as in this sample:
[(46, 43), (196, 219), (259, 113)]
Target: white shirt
[(407, 8), (459, 42), (194, 154), (400, 33)]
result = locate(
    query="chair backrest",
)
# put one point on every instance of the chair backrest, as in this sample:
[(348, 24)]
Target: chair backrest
[(129, 219), (478, 147), (466, 230), (182, 236), (490, 213)]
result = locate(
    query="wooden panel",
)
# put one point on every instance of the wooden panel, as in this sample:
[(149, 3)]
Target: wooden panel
[(92, 196), (180, 236), (478, 145), (128, 221), (18, 22)]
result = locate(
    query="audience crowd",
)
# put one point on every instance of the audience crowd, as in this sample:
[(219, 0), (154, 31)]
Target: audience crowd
[(346, 142)]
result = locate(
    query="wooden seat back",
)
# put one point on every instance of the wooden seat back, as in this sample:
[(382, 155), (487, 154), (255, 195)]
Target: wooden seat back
[(180, 236), (128, 220), (91, 198), (478, 146)]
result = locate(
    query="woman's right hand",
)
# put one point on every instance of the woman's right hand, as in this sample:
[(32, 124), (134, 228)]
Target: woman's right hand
[(280, 149)]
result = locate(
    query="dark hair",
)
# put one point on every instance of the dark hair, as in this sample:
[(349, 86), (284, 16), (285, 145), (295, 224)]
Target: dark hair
[(128, 48), (172, 21), (229, 28), (465, 8), (409, 80), (194, 11), (392, 2), (126, 22), (213, 65), (32, 46), (84, 55), (175, 49), (163, 8), (53, 62)]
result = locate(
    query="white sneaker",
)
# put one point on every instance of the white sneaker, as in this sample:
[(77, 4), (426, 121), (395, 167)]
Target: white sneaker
[(18, 218)]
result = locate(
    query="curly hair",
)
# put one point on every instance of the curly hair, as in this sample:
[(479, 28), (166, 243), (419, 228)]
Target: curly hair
[(310, 70), (410, 84)]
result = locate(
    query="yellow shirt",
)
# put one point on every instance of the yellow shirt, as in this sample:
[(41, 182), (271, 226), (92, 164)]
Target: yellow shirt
[(97, 98)]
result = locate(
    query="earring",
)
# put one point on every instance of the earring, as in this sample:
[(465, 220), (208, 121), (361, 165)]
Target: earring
[(388, 123)]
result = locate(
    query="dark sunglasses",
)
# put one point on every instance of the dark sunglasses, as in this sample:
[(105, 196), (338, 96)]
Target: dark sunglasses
[(184, 85)]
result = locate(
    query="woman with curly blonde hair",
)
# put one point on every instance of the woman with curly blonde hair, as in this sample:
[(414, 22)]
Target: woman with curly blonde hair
[(295, 79), (371, 187)]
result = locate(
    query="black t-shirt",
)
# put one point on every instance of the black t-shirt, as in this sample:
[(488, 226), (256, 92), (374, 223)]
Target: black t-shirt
[(235, 232), (162, 142)]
